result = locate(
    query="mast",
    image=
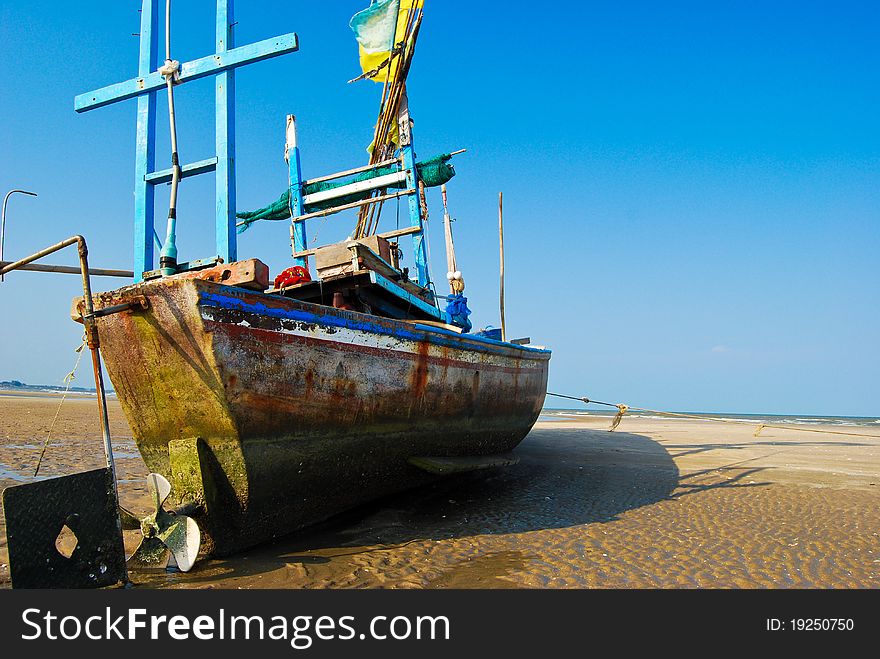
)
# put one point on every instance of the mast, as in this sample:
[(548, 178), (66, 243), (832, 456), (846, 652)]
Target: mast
[(144, 87)]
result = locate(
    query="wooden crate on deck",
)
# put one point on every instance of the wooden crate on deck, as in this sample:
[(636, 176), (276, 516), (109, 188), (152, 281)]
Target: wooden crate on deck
[(335, 260)]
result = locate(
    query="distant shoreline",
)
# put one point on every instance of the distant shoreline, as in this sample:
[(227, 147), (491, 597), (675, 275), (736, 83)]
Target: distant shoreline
[(14, 386), (547, 414), (556, 414), (38, 392)]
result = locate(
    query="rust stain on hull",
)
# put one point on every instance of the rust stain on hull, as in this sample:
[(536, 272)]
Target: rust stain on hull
[(306, 410)]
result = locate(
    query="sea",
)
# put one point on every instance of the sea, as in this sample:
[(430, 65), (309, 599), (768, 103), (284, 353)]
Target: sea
[(547, 414), (560, 414)]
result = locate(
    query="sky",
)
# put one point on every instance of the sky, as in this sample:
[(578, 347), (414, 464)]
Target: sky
[(691, 189)]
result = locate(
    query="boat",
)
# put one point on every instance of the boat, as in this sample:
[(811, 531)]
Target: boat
[(270, 413), (264, 406)]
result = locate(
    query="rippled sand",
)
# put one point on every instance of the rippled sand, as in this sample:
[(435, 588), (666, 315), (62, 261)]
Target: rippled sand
[(675, 503)]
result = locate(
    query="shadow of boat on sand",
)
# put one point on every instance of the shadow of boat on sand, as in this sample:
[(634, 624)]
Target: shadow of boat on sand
[(566, 477)]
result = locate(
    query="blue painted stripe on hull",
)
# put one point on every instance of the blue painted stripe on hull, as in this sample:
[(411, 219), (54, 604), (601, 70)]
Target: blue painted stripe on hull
[(388, 327)]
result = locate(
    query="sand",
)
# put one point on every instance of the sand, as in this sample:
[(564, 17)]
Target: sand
[(668, 504)]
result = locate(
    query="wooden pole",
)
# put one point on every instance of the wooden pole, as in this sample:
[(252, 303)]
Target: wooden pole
[(450, 245), (393, 89), (501, 247)]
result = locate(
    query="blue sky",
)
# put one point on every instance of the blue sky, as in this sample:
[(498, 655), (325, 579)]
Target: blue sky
[(692, 189)]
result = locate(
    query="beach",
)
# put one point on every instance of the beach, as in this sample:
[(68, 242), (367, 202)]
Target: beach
[(658, 503)]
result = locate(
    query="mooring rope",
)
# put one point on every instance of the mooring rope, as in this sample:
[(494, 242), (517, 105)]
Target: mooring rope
[(623, 409), (68, 380)]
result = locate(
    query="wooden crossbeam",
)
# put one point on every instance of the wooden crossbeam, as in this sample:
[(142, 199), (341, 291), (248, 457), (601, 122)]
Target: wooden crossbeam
[(193, 169), (199, 68), (354, 204), (349, 172), (415, 301), (385, 181), (388, 235)]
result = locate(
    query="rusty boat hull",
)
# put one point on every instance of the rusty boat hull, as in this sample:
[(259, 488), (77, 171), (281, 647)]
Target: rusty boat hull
[(269, 414)]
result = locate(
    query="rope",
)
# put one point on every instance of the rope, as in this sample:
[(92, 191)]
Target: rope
[(68, 379), (623, 409)]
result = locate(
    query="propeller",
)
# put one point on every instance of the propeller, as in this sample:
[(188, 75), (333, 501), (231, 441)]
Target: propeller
[(169, 539)]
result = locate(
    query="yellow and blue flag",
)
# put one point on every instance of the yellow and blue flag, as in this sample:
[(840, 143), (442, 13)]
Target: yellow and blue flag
[(379, 29)]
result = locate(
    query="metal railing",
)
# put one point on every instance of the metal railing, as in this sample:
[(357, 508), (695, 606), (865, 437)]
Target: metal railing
[(91, 329)]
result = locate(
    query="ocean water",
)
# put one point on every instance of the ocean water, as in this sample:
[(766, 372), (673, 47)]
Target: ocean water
[(556, 414)]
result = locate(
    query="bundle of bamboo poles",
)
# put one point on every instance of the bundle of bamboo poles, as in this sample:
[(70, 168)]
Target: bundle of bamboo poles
[(384, 135)]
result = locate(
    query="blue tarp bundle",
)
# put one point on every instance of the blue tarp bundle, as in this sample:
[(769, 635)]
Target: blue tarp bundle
[(456, 307)]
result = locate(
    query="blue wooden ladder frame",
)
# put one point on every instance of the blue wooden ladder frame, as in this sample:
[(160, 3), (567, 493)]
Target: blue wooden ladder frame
[(298, 240), (222, 65)]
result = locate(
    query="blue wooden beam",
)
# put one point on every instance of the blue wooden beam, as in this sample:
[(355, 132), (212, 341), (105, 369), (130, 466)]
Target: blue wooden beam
[(407, 151), (199, 68), (403, 294), (145, 153), (193, 169), (222, 65), (224, 131)]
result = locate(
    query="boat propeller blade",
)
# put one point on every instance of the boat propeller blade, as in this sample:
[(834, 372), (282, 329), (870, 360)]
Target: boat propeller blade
[(130, 521), (151, 554), (167, 536), (182, 537), (159, 488)]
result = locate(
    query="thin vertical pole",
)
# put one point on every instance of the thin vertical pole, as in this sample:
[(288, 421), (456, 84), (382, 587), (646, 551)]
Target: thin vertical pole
[(420, 253), (91, 333), (501, 247), (225, 138), (168, 255), (451, 266), (92, 340), (294, 180), (145, 158)]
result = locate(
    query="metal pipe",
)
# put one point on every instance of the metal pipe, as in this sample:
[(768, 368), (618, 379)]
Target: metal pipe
[(92, 340), (94, 344), (168, 255), (71, 270), (15, 265), (89, 323), (167, 29), (3, 220), (118, 308)]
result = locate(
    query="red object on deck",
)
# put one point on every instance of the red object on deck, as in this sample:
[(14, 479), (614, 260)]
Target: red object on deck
[(295, 275)]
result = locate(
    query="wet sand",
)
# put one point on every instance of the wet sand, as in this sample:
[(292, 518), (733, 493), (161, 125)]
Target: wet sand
[(669, 504)]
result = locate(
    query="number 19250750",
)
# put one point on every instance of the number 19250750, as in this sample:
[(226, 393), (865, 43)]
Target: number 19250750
[(810, 624)]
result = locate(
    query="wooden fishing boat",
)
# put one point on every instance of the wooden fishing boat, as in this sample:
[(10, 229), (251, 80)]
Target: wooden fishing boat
[(262, 409), (268, 414)]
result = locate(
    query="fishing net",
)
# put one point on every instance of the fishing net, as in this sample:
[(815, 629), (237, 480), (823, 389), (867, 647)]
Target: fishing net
[(436, 171)]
